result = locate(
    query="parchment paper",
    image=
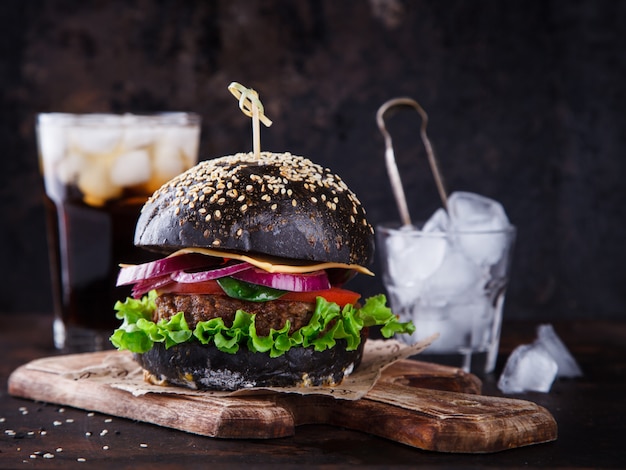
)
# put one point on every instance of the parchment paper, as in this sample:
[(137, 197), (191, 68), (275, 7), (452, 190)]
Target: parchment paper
[(120, 371)]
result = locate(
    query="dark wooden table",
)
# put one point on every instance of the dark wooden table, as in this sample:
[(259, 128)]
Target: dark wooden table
[(591, 413)]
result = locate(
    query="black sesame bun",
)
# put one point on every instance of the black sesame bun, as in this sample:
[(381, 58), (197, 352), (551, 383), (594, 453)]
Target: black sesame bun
[(278, 205), (202, 367)]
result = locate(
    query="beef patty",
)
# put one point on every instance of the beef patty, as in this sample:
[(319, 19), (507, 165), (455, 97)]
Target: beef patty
[(202, 307)]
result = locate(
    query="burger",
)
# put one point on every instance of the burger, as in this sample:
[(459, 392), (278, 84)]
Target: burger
[(248, 286)]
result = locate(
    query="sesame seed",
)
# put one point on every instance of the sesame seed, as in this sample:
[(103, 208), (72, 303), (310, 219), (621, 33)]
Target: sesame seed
[(207, 218), (294, 203), (48, 455), (274, 206), (59, 449), (57, 423), (217, 214), (80, 459), (244, 208), (177, 211), (143, 445), (216, 242), (108, 420)]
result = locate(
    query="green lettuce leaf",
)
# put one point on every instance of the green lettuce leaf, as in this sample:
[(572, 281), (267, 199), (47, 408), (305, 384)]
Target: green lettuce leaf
[(329, 323)]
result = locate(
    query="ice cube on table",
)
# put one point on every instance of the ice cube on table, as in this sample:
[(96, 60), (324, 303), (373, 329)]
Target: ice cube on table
[(95, 140), (549, 340), (131, 169), (529, 368), (473, 215)]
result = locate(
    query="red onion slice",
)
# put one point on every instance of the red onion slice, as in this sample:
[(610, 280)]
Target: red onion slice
[(141, 272), (188, 278), (143, 287), (290, 282)]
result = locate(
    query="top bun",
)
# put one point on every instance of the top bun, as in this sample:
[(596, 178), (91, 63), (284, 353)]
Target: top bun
[(278, 205)]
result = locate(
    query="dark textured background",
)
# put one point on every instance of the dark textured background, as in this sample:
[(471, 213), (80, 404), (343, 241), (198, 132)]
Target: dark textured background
[(526, 101)]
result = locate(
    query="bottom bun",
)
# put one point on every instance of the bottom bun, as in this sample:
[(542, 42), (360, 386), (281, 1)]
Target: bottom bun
[(204, 367)]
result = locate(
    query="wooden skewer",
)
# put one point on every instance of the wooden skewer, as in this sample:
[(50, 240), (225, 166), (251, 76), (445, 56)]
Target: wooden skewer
[(251, 106)]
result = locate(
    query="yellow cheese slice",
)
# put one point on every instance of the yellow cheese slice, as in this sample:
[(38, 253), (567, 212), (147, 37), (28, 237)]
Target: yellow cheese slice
[(273, 265)]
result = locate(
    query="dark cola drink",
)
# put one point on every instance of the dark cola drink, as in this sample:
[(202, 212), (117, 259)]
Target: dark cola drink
[(98, 171)]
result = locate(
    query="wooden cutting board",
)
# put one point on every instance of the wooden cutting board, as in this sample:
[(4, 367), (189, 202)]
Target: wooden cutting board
[(420, 404)]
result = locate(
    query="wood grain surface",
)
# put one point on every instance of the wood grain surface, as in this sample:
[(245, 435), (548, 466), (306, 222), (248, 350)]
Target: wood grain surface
[(419, 404)]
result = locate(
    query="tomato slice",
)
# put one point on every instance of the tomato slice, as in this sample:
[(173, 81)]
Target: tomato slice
[(204, 287), (335, 294)]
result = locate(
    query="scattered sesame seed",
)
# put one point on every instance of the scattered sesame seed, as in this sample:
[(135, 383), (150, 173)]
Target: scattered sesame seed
[(43, 433), (104, 432), (105, 447), (48, 455), (143, 445), (88, 434), (80, 459), (2, 420), (69, 420), (57, 423), (108, 420), (59, 449), (61, 410), (90, 414)]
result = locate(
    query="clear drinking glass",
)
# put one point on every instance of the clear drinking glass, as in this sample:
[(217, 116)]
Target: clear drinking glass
[(452, 283), (98, 170)]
